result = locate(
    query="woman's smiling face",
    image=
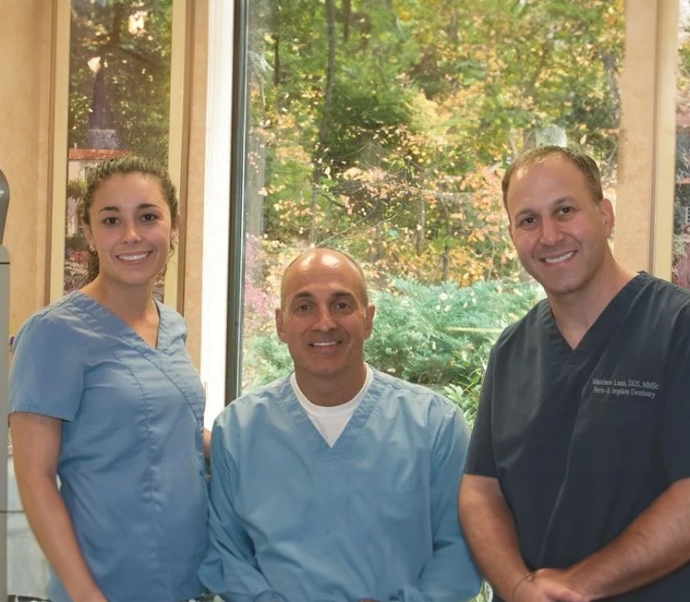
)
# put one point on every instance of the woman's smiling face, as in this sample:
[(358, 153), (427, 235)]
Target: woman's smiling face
[(131, 229)]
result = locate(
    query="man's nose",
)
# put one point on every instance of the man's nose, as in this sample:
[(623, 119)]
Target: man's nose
[(550, 232), (324, 319)]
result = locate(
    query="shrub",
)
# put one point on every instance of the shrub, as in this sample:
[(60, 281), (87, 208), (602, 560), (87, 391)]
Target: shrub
[(439, 336)]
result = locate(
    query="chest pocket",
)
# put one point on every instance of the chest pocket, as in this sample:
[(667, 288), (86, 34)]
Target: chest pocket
[(617, 433)]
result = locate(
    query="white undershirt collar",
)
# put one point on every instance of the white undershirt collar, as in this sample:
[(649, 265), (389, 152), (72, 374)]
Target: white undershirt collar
[(331, 421)]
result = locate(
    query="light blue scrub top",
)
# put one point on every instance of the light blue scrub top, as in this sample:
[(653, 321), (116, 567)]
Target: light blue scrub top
[(131, 464), (375, 516)]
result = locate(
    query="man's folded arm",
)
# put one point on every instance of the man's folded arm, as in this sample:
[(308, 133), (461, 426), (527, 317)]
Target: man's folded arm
[(655, 544)]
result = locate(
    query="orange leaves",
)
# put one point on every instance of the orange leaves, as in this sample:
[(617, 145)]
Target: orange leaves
[(476, 236)]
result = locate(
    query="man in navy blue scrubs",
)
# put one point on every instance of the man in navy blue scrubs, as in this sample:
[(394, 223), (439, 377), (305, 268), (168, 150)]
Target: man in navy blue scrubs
[(577, 483)]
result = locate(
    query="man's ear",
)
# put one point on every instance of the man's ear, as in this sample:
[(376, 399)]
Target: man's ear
[(369, 321), (606, 208), (279, 325)]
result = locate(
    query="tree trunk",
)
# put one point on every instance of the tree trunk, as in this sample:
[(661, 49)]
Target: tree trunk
[(276, 60), (420, 234), (325, 118), (101, 133), (347, 12)]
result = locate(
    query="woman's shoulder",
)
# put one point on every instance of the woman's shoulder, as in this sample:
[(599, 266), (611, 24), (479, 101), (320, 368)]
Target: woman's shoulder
[(58, 319)]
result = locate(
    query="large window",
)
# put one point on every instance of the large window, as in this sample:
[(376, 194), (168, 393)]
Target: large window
[(383, 128)]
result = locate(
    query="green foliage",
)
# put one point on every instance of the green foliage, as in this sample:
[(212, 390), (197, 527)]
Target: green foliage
[(76, 189), (438, 335), (76, 242), (363, 116), (267, 359), (485, 594), (466, 396), (428, 103), (520, 67)]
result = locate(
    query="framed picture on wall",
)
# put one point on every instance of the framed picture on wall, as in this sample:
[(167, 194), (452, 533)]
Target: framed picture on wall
[(120, 69)]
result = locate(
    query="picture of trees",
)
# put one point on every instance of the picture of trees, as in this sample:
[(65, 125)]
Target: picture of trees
[(119, 98)]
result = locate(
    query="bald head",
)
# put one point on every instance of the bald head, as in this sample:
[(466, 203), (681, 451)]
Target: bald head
[(325, 258)]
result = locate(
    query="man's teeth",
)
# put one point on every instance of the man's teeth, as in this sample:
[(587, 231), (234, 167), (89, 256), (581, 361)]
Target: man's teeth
[(326, 344), (559, 258), (136, 257)]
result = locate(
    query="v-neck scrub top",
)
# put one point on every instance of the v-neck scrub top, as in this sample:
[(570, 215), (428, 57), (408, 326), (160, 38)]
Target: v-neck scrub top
[(374, 516), (583, 440), (131, 464)]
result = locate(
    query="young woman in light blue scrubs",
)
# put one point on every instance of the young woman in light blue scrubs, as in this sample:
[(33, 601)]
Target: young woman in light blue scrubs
[(105, 397)]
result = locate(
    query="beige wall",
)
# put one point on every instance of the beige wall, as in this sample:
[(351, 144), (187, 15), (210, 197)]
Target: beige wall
[(25, 104), (646, 163), (194, 163)]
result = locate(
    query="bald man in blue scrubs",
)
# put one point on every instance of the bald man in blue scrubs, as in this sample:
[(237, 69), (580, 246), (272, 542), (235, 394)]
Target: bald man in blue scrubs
[(337, 483)]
